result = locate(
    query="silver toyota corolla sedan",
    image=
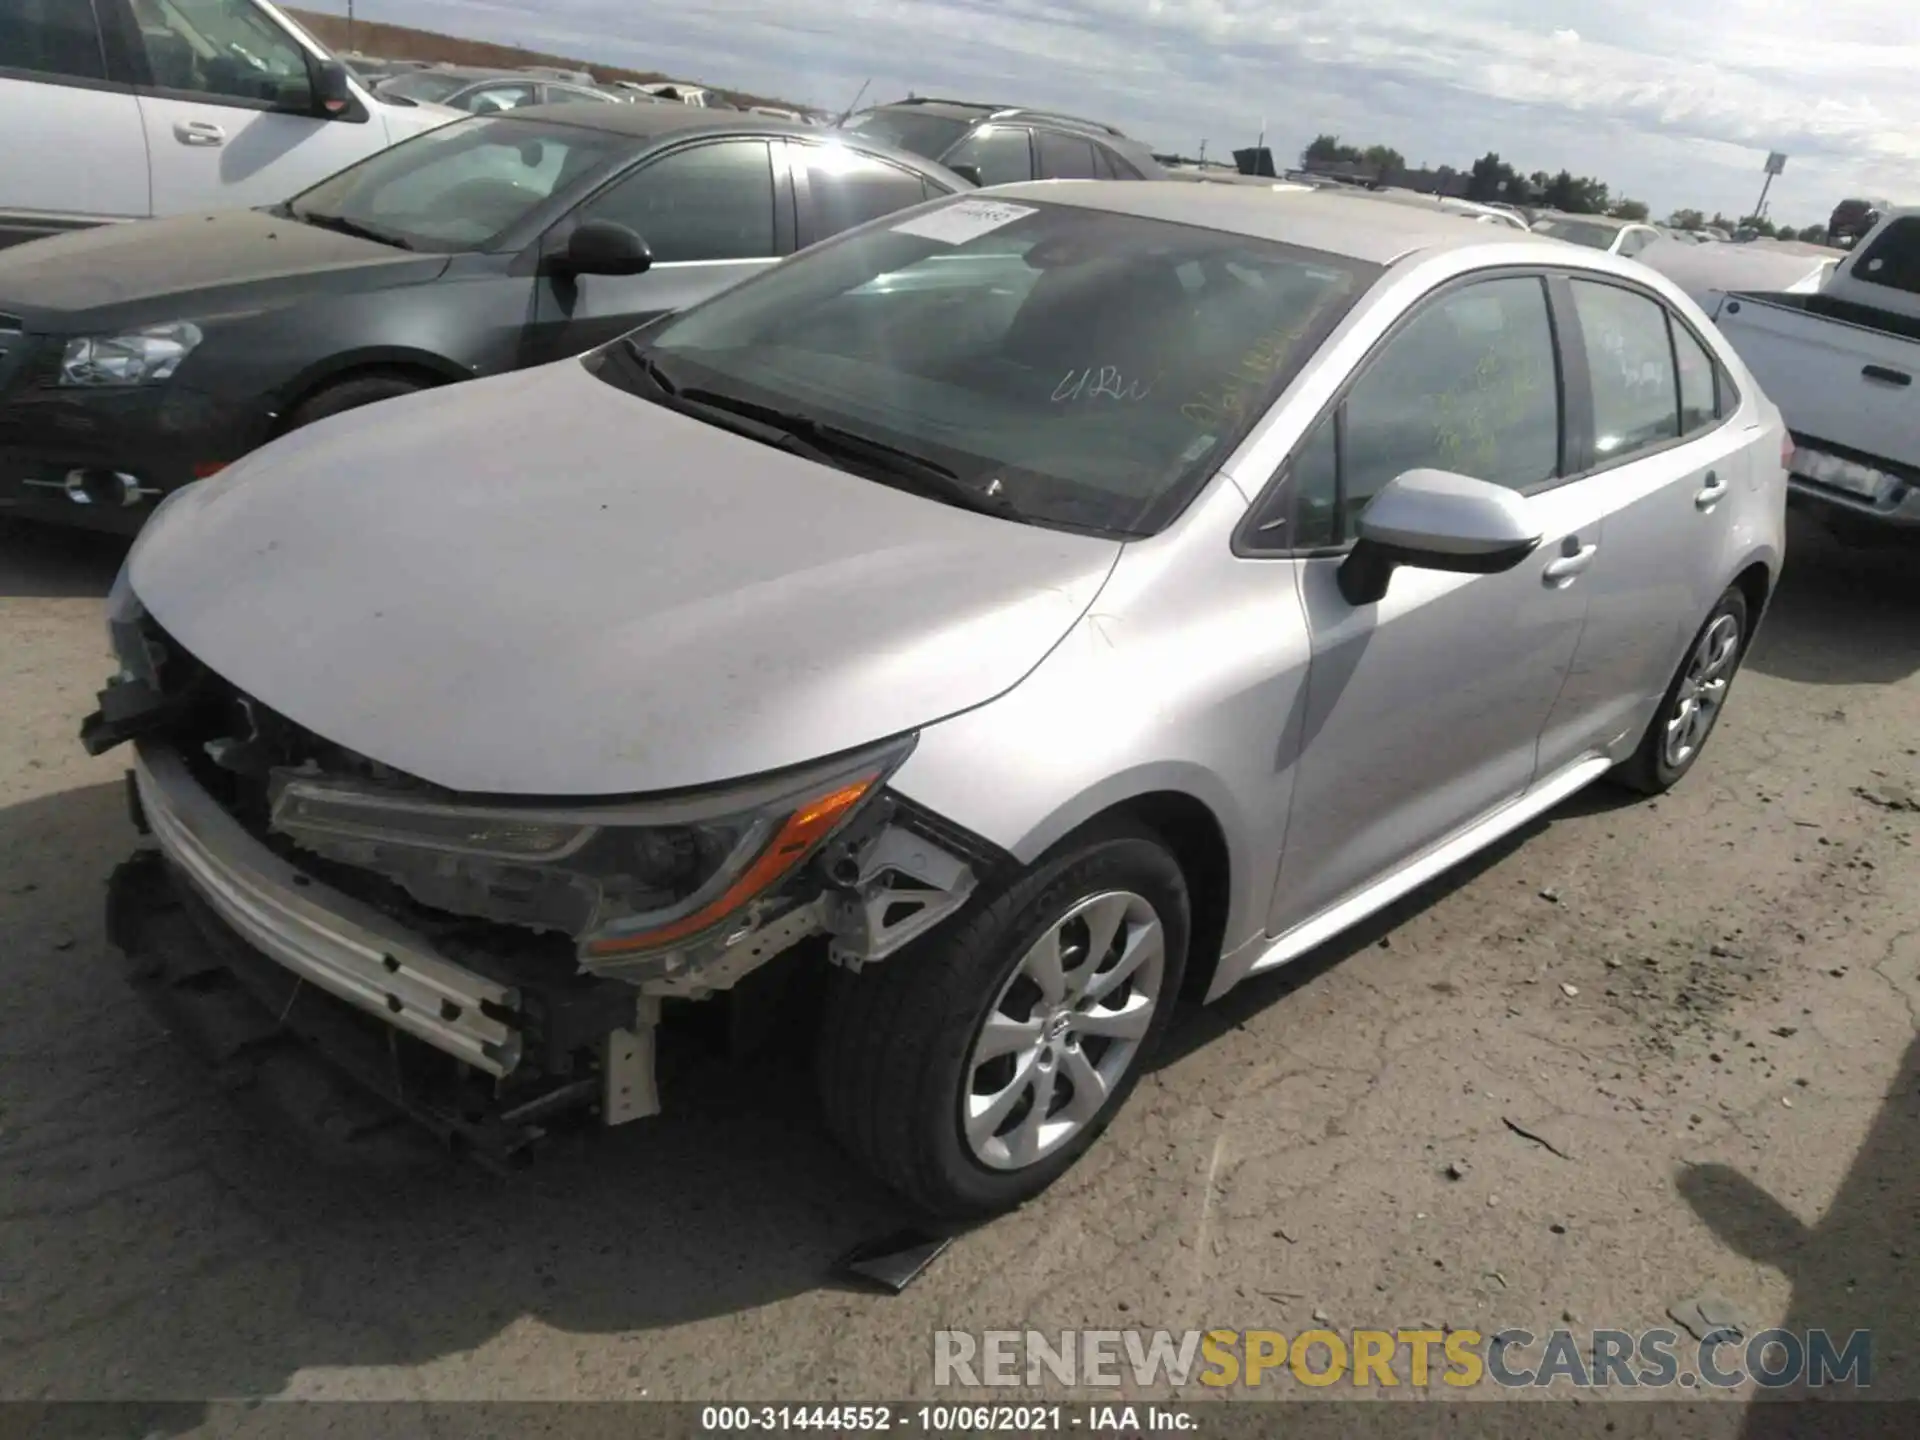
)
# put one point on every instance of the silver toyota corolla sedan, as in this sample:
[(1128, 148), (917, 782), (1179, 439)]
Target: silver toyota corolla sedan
[(1013, 614)]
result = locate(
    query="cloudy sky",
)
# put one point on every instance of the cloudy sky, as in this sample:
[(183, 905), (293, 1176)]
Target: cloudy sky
[(1672, 101)]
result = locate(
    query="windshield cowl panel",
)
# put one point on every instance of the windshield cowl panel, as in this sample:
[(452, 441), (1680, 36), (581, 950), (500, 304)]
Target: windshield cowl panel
[(1054, 364)]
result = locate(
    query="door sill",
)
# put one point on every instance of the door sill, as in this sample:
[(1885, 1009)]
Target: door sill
[(1312, 933)]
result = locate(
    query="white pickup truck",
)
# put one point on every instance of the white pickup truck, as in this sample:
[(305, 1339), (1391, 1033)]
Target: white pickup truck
[(1841, 363), (123, 109)]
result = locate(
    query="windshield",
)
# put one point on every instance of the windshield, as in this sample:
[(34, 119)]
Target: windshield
[(1596, 237), (912, 130), (424, 85), (461, 186), (1071, 366)]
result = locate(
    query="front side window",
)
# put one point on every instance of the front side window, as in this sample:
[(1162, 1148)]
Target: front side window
[(1065, 157), (1063, 366), (1893, 259), (1635, 394), (1634, 241), (224, 49), (459, 187), (708, 202), (51, 37), (849, 189), (1468, 385), (999, 152)]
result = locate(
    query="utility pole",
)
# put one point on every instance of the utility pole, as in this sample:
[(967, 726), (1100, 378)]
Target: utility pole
[(1203, 152), (350, 26), (1776, 162)]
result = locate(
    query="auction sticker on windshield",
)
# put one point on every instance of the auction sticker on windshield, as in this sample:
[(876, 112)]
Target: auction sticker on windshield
[(964, 220)]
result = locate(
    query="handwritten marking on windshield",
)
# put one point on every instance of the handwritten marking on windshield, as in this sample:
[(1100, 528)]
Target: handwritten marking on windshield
[(1105, 382)]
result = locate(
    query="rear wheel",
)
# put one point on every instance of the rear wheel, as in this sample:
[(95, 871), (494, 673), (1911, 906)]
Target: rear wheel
[(351, 394), (1693, 702), (973, 1068)]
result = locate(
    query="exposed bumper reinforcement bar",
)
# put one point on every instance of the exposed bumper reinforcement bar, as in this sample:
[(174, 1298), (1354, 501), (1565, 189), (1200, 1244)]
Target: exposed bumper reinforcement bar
[(347, 949)]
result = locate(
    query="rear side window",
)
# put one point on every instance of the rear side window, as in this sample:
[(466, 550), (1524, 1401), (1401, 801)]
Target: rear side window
[(849, 189), (1630, 359), (999, 152), (1064, 157), (1113, 167), (51, 37), (1699, 406), (1893, 259)]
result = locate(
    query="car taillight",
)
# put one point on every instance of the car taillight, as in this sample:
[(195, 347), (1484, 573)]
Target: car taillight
[(1786, 452)]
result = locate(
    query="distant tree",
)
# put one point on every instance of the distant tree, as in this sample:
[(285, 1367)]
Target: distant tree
[(1625, 209), (1575, 194), (1687, 220), (1721, 222), (1814, 234), (1491, 178), (1384, 158), (1327, 148)]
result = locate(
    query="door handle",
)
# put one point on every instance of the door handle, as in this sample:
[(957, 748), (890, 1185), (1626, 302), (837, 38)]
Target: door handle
[(1708, 495), (199, 132), (1574, 560), (1886, 374)]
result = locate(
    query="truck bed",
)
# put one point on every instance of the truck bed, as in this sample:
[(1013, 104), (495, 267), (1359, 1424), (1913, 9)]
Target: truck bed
[(1847, 379)]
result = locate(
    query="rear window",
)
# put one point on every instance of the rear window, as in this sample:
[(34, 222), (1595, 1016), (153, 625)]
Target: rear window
[(1893, 259), (911, 130), (424, 85), (1595, 237)]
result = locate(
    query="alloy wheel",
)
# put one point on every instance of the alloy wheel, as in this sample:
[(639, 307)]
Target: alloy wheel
[(1065, 1029), (1703, 689)]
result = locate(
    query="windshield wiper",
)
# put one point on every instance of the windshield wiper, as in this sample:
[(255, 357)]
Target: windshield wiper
[(344, 226), (917, 472)]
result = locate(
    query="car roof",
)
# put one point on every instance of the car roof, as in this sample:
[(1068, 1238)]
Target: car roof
[(1608, 222), (652, 122), (1360, 228)]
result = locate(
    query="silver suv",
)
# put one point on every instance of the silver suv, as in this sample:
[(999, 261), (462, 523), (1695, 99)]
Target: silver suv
[(1018, 611)]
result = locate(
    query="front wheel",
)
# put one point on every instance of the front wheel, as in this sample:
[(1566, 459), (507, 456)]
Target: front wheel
[(973, 1068), (1693, 702)]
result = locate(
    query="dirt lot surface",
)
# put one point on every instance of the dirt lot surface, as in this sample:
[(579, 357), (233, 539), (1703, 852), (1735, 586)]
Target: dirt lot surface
[(1668, 1049)]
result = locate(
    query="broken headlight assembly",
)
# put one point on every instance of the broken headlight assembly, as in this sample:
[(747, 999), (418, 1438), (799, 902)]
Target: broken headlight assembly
[(622, 880)]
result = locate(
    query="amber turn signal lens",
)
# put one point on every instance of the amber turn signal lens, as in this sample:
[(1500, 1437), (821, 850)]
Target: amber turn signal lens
[(797, 836)]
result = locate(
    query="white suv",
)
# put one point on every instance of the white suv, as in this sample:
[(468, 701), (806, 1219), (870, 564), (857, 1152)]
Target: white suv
[(122, 109)]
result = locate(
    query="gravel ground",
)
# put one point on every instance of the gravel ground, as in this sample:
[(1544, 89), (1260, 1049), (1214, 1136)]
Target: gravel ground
[(1705, 1006)]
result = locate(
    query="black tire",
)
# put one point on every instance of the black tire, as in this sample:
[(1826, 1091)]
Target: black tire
[(1650, 770), (351, 394), (895, 1039)]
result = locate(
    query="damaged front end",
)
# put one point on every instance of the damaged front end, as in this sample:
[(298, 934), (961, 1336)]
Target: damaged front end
[(514, 954)]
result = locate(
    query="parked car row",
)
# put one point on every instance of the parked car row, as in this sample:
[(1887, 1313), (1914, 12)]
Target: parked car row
[(176, 105), (485, 246), (787, 640)]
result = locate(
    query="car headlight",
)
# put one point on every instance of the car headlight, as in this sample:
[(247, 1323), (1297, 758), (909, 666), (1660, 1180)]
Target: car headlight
[(139, 357), (620, 880)]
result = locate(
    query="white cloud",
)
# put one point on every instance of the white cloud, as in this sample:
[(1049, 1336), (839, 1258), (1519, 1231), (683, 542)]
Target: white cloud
[(1676, 102)]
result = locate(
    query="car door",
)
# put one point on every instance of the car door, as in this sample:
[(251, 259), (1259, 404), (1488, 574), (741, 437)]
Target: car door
[(1002, 154), (1423, 711), (229, 107), (59, 101), (712, 212), (1656, 415), (836, 187)]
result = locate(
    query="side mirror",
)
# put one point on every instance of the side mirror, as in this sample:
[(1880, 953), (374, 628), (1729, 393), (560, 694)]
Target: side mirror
[(603, 247), (968, 173), (1436, 520), (332, 89)]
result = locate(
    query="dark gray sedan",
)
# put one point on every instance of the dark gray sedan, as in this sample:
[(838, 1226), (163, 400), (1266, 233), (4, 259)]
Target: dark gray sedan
[(490, 244)]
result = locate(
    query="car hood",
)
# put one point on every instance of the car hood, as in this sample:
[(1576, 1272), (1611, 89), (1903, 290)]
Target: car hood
[(190, 266), (541, 585)]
